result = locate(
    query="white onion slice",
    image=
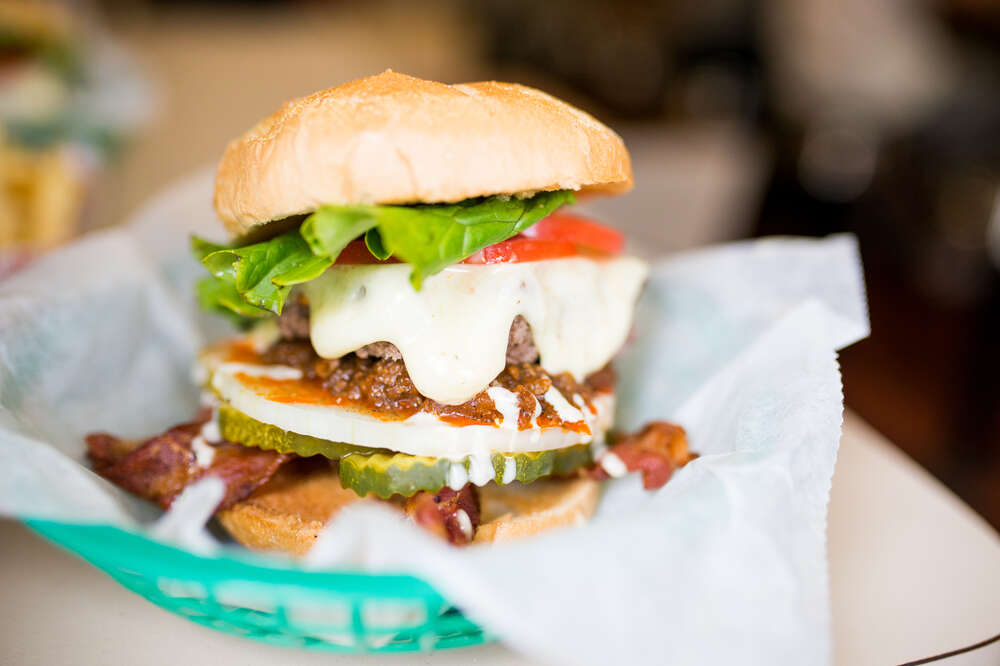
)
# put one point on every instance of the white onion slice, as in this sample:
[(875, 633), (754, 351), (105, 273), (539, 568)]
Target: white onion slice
[(421, 435)]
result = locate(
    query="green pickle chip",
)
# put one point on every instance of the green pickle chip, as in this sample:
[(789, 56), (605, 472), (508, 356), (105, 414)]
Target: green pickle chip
[(388, 474), (235, 426), (367, 470)]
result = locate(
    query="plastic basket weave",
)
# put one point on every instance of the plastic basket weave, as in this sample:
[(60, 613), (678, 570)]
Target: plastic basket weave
[(334, 611)]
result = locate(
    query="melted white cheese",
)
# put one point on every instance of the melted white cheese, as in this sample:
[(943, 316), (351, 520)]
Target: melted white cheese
[(453, 332)]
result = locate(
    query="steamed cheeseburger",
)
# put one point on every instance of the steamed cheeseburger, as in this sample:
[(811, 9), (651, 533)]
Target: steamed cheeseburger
[(426, 324)]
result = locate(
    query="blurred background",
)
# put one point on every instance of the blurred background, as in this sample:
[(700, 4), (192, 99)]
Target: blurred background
[(745, 118)]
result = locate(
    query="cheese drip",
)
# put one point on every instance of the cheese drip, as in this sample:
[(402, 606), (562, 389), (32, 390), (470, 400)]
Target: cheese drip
[(452, 333)]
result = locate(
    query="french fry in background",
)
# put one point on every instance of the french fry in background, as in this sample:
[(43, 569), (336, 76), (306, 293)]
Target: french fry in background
[(41, 195)]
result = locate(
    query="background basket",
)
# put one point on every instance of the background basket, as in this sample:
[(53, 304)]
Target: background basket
[(281, 605)]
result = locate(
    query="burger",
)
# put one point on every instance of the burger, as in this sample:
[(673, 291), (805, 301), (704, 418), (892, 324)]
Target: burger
[(425, 322)]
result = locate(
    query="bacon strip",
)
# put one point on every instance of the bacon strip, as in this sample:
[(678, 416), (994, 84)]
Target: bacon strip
[(450, 514), (656, 451), (161, 467)]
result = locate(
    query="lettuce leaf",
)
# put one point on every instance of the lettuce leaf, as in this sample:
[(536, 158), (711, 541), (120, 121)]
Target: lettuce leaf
[(223, 298), (373, 241), (331, 228), (256, 278), (431, 238), (262, 274), (201, 248)]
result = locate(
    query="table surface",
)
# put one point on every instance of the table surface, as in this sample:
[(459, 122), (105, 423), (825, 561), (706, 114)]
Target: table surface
[(914, 572)]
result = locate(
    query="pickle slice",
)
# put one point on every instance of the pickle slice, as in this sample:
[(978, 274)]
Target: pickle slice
[(388, 474), (235, 426), (392, 474)]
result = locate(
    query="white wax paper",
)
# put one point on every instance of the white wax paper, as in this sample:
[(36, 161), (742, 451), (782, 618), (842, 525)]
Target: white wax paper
[(725, 564)]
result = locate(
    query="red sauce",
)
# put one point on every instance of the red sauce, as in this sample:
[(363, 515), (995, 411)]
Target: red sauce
[(292, 391), (382, 388), (459, 420), (243, 352)]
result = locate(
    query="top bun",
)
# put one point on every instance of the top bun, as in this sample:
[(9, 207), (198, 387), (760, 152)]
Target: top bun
[(392, 138)]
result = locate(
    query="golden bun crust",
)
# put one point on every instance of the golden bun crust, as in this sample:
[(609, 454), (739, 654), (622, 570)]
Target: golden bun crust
[(288, 513), (519, 510), (392, 138)]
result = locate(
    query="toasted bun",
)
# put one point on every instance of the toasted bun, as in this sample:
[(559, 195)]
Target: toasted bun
[(392, 138), (520, 510), (288, 513)]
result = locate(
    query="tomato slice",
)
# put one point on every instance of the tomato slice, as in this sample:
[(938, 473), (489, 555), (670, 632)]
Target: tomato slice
[(557, 236), (357, 252), (514, 250), (579, 230)]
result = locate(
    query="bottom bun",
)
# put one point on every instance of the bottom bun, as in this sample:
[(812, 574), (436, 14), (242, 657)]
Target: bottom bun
[(288, 513), (520, 510)]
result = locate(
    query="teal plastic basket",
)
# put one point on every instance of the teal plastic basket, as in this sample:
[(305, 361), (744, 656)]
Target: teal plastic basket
[(264, 601)]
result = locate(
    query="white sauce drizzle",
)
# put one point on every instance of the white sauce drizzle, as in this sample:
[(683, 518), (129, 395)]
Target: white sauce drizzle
[(598, 448), (567, 412), (464, 523), (458, 476), (203, 453), (210, 431), (613, 465), (481, 469), (453, 333), (509, 470), (506, 403)]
